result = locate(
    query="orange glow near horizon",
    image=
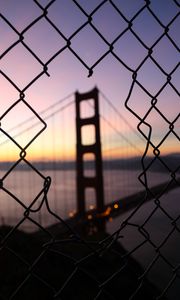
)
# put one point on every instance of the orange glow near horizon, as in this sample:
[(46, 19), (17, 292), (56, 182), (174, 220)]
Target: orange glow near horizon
[(41, 154), (58, 141), (67, 74)]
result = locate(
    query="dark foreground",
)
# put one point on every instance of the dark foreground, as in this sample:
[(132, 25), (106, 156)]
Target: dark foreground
[(39, 266)]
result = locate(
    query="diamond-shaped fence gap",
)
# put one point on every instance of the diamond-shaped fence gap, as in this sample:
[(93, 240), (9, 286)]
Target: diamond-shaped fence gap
[(8, 94), (12, 213), (40, 92), (173, 33), (170, 145), (27, 66), (158, 131), (150, 150), (40, 95), (83, 44), (140, 101), (32, 222), (50, 145), (176, 128), (11, 210), (36, 152), (34, 39), (61, 11), (143, 255), (160, 273), (175, 79), (109, 22), (14, 123), (157, 171), (158, 226), (25, 184), (130, 50), (9, 153), (144, 212), (18, 18), (171, 205), (67, 66), (43, 3), (109, 65), (8, 36), (151, 77), (165, 15), (129, 8), (132, 239), (171, 243), (147, 28), (165, 98), (46, 219), (161, 53), (89, 6), (171, 161)]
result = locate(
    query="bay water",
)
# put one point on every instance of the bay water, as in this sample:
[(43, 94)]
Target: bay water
[(156, 220)]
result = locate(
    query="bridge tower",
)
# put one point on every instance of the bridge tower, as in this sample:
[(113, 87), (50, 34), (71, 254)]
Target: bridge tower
[(83, 182)]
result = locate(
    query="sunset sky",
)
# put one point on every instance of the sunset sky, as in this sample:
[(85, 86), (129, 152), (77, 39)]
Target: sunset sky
[(67, 74)]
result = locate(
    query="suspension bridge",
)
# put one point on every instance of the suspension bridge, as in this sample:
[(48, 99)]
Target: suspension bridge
[(73, 190)]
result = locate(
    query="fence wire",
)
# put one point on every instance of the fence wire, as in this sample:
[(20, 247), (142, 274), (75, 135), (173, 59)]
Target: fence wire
[(58, 263)]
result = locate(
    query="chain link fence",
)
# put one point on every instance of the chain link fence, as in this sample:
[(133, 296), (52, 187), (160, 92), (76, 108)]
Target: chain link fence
[(57, 262)]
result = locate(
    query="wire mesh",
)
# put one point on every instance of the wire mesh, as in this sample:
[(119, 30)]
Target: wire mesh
[(57, 262)]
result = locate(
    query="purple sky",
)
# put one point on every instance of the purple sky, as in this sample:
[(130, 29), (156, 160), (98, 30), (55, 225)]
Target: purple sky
[(67, 73)]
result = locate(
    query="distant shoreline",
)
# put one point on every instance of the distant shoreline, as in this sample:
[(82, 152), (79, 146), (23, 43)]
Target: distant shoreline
[(133, 163)]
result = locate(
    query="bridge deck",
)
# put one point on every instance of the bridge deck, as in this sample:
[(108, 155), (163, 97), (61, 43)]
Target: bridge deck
[(113, 209)]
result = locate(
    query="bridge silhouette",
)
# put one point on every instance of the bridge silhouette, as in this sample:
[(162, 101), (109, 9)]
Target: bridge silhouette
[(90, 198)]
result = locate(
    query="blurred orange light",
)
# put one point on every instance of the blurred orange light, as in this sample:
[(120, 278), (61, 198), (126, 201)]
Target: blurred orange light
[(89, 217), (71, 214), (91, 206)]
